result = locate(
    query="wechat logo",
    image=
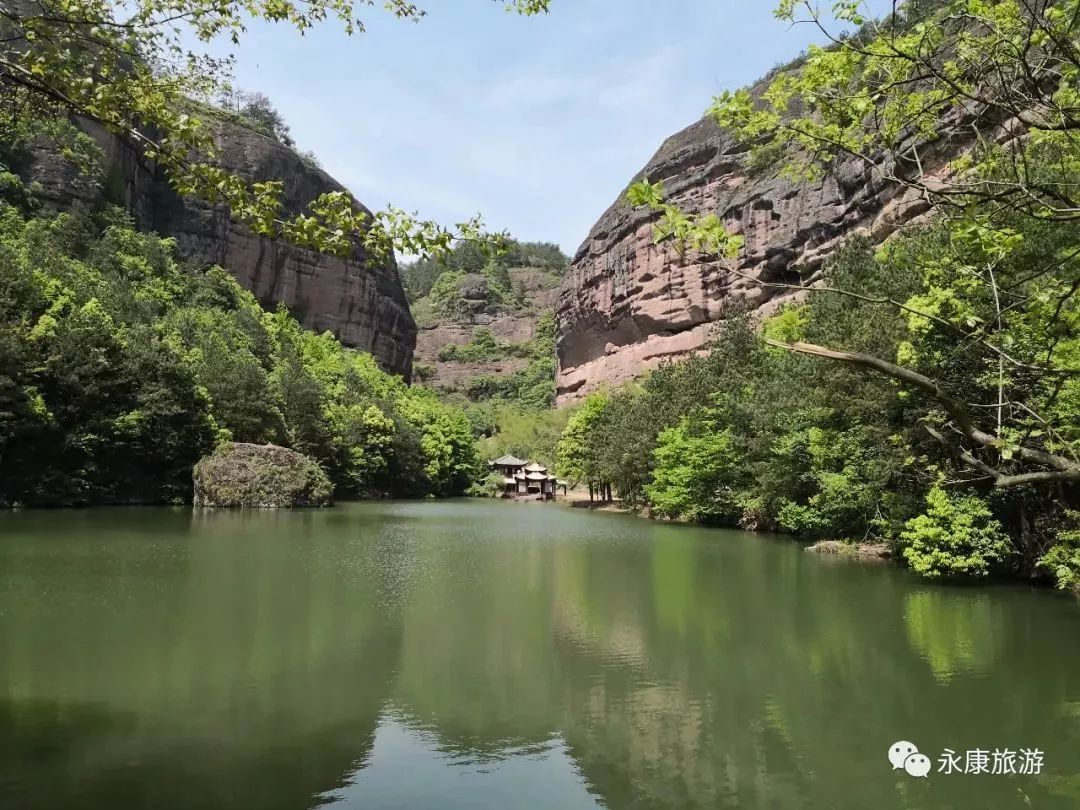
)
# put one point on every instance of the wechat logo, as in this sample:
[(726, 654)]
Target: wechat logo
[(904, 755)]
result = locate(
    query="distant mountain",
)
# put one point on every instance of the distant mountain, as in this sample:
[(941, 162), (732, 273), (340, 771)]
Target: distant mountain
[(486, 328)]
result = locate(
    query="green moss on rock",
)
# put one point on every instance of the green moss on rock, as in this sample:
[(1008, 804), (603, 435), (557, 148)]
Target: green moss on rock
[(261, 476)]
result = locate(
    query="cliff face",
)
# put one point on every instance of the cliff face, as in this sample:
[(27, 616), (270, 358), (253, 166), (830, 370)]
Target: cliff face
[(518, 326), (627, 304), (362, 303)]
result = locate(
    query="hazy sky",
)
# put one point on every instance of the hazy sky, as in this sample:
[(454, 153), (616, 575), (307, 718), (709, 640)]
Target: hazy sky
[(537, 123)]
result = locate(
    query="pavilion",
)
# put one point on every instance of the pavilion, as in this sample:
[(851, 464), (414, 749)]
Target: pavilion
[(523, 478)]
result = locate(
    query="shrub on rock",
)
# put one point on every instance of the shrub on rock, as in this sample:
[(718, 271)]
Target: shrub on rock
[(262, 476)]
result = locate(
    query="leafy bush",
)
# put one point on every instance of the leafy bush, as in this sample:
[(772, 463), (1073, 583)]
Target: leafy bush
[(484, 346), (423, 372), (489, 386), (491, 486), (446, 298), (957, 536), (1062, 559), (501, 292)]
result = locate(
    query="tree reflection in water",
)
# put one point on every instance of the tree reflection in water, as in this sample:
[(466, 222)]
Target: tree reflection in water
[(471, 654)]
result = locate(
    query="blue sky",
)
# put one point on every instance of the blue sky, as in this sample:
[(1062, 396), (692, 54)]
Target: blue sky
[(536, 123)]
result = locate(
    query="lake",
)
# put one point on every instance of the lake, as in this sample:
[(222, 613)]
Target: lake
[(483, 654)]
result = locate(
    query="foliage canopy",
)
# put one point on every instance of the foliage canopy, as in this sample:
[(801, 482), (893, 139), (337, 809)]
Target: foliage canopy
[(119, 368)]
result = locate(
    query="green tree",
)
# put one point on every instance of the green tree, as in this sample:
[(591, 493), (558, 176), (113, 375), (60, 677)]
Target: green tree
[(363, 440), (696, 475), (258, 109), (302, 397), (958, 536), (119, 368), (446, 443), (578, 452)]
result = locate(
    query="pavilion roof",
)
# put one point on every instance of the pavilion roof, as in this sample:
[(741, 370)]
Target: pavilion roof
[(535, 468), (508, 461), (535, 476)]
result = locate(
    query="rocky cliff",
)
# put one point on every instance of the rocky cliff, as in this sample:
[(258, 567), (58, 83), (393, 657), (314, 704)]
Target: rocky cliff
[(361, 302), (516, 327), (627, 305)]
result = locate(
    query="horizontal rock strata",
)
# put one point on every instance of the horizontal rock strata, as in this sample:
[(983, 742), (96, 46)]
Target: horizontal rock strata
[(627, 305)]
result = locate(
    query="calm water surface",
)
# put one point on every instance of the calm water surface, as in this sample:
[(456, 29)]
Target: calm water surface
[(497, 655)]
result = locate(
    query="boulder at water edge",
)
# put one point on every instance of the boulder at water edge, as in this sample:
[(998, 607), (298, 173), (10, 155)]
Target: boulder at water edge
[(261, 476)]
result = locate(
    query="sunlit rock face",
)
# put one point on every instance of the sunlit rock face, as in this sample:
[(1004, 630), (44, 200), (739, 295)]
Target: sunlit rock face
[(627, 305), (362, 302), (520, 325)]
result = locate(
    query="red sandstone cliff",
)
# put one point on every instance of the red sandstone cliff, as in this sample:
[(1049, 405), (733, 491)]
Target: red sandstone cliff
[(361, 302), (626, 304)]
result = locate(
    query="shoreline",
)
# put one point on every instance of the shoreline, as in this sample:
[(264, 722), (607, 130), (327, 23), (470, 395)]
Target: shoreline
[(865, 552), (603, 506), (873, 553)]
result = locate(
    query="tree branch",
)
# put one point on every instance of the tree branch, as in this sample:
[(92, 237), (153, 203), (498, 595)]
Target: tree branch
[(1065, 469)]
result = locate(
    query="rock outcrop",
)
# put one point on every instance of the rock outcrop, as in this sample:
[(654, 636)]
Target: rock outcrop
[(260, 477), (361, 302), (627, 305), (518, 326)]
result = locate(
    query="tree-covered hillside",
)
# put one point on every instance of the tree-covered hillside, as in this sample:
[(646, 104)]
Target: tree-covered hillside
[(756, 435), (924, 393), (421, 275), (487, 340), (120, 367)]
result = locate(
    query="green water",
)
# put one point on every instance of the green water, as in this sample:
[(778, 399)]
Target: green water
[(500, 655)]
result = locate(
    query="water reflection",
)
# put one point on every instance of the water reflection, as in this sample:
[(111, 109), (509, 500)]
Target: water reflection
[(953, 630), (484, 654), (410, 768)]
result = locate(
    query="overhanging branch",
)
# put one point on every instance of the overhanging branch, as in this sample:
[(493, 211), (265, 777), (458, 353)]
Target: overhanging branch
[(1061, 469)]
